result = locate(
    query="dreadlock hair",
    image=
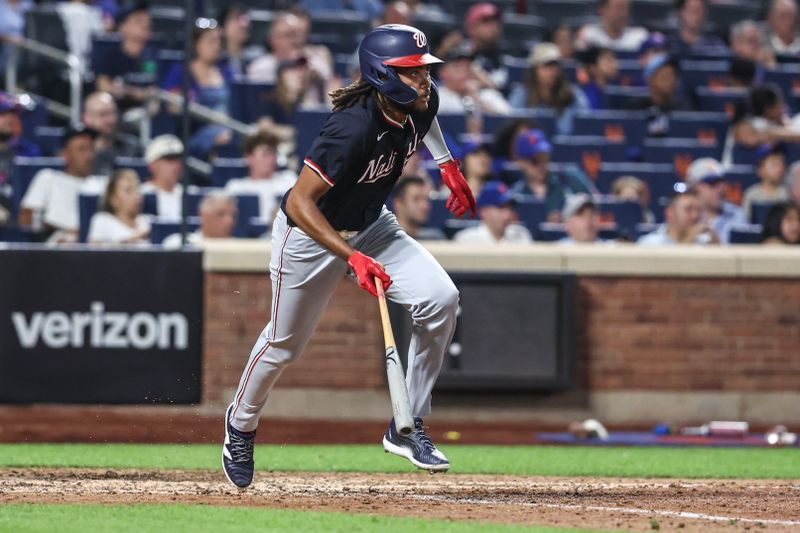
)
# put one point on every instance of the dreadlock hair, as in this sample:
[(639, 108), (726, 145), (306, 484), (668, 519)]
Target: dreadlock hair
[(345, 97)]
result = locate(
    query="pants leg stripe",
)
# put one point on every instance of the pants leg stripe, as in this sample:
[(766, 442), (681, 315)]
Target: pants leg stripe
[(274, 319)]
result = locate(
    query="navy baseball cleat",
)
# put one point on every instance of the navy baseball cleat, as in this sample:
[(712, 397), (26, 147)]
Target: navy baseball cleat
[(417, 448), (237, 454)]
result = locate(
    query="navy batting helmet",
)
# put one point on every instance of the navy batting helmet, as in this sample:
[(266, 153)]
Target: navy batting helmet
[(393, 45)]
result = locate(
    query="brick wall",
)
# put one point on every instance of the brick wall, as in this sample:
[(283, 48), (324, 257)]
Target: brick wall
[(634, 334)]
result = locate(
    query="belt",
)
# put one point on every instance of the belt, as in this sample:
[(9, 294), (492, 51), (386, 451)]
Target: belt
[(344, 234)]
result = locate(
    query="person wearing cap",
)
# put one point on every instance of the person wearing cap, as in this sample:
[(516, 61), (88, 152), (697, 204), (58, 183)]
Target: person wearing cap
[(411, 205), (100, 114), (11, 146), (782, 22), (164, 157), (217, 212), (237, 54), (532, 156), (661, 75), (612, 31), (706, 177), (580, 220), (655, 44), (602, 69), (683, 224), (497, 214), (463, 89), (264, 179), (770, 164), (546, 87), (49, 208), (748, 42), (691, 35), (483, 27), (129, 70)]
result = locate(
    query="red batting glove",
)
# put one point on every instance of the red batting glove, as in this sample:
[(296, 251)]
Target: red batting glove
[(366, 270), (461, 199)]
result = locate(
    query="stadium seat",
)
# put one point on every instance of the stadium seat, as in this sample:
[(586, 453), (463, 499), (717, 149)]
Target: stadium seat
[(699, 125), (750, 234), (137, 164), (647, 12), (788, 78), (571, 12), (758, 212), (439, 213), (454, 225), (168, 24), (630, 73), (660, 180), (613, 125), (341, 30), (454, 124), (550, 232), (166, 59), (531, 212), (150, 204), (88, 204), (308, 124), (697, 73), (248, 208), (680, 152), (261, 17), (435, 24), (543, 119), (517, 67), (48, 138), (160, 229), (644, 229), (249, 100), (588, 151), (225, 169), (726, 13), (33, 117), (520, 32), (620, 97), (719, 100), (22, 172), (624, 214)]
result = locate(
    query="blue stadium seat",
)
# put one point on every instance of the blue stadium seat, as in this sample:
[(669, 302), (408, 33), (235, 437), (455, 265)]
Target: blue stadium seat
[(22, 172), (516, 66), (750, 234), (439, 213), (225, 169), (250, 100), (160, 229), (644, 229), (758, 212), (660, 179), (743, 155), (454, 124), (696, 74), (625, 214), (32, 118), (571, 12), (620, 97), (510, 173), (680, 152), (698, 125), (520, 32), (543, 119), (726, 14), (550, 232), (454, 225), (138, 164), (48, 138), (531, 212), (166, 59), (88, 204), (588, 151), (787, 76), (150, 204), (719, 100), (630, 73), (257, 227), (647, 12), (308, 124), (248, 207), (435, 24), (630, 125), (341, 29)]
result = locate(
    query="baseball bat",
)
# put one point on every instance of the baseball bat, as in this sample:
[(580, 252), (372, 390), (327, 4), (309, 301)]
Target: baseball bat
[(401, 408)]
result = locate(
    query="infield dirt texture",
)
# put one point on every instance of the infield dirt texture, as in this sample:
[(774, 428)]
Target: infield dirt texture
[(443, 502)]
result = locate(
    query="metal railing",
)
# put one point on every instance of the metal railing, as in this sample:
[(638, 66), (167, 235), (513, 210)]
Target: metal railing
[(74, 74)]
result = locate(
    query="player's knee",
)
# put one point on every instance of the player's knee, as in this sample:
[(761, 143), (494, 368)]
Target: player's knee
[(284, 352), (443, 303), (449, 300)]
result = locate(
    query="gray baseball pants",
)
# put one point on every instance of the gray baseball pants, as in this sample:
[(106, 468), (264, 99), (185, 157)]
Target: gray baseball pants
[(304, 275)]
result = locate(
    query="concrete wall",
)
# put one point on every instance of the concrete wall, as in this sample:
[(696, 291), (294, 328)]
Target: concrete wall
[(680, 334)]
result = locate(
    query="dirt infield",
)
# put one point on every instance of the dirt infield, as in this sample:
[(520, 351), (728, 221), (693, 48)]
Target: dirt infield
[(628, 504)]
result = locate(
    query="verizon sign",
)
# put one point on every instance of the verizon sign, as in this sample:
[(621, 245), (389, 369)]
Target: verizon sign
[(100, 326)]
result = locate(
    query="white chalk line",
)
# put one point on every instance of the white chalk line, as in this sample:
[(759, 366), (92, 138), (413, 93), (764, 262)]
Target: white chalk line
[(627, 510)]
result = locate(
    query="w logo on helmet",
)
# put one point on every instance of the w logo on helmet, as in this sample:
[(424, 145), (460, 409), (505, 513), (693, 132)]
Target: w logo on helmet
[(420, 39)]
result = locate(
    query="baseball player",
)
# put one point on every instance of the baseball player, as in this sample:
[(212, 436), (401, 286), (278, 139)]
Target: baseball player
[(333, 223)]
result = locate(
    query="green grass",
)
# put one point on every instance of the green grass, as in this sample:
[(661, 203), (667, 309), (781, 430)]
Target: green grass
[(755, 463), (26, 518)]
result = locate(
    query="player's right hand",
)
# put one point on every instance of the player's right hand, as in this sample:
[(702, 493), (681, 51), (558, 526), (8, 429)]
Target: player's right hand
[(366, 270)]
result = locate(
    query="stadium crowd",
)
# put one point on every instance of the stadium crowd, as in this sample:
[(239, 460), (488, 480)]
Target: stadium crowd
[(657, 122)]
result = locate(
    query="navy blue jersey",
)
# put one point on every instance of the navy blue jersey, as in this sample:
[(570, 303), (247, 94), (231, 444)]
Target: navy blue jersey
[(360, 153)]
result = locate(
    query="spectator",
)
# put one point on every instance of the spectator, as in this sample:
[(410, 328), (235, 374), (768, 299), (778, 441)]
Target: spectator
[(100, 114), (82, 21), (601, 69), (683, 224), (497, 213), (661, 75), (613, 30), (580, 220), (483, 26), (12, 25), (50, 206), (793, 182), (287, 42), (782, 22), (464, 90), (761, 119), (706, 178), (260, 154), (748, 42), (11, 145), (562, 37), (120, 219), (298, 88), (397, 12), (742, 73), (691, 36), (217, 221), (782, 225), (164, 157), (477, 165), (237, 55), (770, 164), (412, 206), (129, 69), (632, 189), (532, 155), (655, 45), (210, 82), (546, 87)]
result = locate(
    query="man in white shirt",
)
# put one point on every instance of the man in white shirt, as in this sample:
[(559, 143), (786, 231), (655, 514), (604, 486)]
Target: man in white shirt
[(580, 220), (464, 89), (782, 21), (683, 224), (496, 209), (260, 154), (706, 177), (217, 221), (164, 158), (50, 205), (612, 31)]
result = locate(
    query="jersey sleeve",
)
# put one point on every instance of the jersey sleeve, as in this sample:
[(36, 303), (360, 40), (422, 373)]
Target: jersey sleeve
[(342, 141)]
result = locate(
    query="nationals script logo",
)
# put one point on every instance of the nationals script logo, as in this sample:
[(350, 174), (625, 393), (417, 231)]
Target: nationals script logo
[(420, 39), (383, 165)]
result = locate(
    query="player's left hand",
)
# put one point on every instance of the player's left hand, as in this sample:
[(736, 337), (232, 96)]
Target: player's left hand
[(461, 199)]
